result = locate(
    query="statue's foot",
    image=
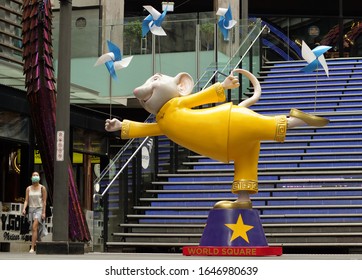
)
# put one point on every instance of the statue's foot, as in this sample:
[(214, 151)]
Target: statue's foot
[(225, 204), (308, 118)]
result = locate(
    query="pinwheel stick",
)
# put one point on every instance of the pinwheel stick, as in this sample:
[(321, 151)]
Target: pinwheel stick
[(110, 97)]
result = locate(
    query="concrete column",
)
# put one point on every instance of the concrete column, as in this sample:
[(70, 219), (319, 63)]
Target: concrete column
[(61, 176), (113, 19)]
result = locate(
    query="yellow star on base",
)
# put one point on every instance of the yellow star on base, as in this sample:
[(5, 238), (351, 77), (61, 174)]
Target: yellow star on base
[(239, 229)]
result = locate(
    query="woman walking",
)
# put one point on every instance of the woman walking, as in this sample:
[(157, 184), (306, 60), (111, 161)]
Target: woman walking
[(36, 199)]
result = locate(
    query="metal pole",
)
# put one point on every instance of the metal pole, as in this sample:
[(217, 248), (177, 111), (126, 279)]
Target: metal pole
[(341, 29), (215, 47), (197, 50), (153, 54), (61, 176), (244, 34)]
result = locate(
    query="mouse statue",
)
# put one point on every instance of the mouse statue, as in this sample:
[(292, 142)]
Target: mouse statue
[(225, 132)]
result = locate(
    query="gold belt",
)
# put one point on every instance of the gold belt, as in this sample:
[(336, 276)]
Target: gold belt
[(244, 185)]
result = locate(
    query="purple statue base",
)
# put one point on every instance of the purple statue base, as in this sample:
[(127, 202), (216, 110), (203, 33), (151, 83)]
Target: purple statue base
[(233, 232)]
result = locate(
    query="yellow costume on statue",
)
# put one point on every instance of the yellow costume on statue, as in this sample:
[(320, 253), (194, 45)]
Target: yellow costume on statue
[(225, 132)]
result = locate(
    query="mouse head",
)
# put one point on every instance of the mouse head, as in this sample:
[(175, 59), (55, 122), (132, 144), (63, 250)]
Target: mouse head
[(159, 89)]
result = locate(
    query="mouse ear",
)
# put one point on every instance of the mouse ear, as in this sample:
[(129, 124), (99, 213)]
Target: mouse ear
[(185, 83)]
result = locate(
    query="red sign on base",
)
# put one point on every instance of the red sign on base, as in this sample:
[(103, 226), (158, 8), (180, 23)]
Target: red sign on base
[(232, 251)]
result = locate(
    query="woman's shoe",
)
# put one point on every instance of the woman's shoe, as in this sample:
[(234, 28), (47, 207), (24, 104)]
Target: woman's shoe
[(31, 251)]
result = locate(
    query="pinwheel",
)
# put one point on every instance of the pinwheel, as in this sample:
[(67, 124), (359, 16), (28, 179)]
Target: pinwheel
[(225, 21), (113, 60), (153, 22), (314, 58)]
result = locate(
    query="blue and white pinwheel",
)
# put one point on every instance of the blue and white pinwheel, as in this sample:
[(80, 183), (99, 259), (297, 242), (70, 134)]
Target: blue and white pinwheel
[(113, 60), (225, 22), (153, 22), (314, 58)]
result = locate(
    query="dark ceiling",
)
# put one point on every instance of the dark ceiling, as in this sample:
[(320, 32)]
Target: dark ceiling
[(135, 7), (351, 8)]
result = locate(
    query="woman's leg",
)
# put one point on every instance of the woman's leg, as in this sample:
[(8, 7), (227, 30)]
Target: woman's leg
[(34, 233)]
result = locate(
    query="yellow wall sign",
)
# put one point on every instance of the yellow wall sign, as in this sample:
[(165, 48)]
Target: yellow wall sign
[(37, 158), (77, 158)]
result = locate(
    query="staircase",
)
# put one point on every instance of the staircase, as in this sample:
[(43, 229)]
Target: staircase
[(310, 193)]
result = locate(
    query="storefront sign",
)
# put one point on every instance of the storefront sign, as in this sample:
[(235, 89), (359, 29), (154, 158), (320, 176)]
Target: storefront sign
[(10, 226)]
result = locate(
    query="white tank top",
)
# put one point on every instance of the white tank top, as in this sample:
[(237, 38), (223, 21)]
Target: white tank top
[(35, 199)]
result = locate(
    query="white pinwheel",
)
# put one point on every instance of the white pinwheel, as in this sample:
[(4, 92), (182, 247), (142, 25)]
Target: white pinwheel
[(113, 60), (153, 22), (314, 58)]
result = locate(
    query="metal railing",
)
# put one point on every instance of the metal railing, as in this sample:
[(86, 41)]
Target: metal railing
[(107, 169), (112, 163)]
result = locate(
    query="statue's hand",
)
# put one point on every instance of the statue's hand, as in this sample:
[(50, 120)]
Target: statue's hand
[(113, 125), (230, 82)]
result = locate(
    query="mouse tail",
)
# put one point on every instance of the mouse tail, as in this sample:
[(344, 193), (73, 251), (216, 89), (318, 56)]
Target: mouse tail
[(257, 88)]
